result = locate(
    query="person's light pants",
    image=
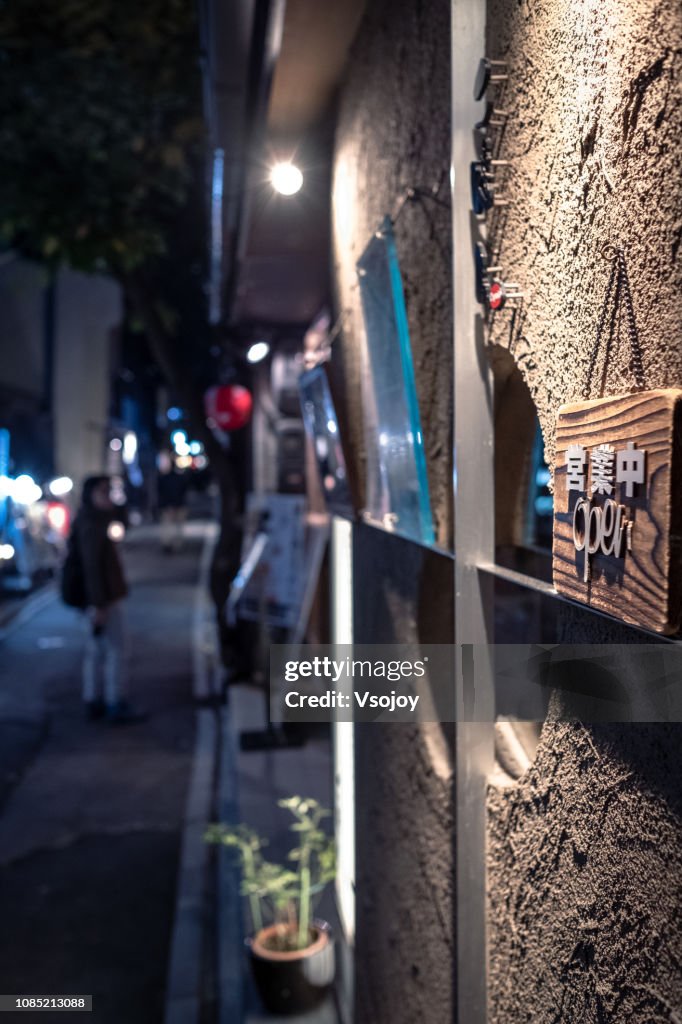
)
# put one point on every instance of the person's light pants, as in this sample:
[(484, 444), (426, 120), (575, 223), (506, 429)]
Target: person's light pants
[(105, 662)]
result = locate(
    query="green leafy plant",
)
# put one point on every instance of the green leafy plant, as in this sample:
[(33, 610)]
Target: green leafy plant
[(281, 892)]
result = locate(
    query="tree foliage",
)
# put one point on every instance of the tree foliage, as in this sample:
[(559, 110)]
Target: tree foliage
[(100, 122)]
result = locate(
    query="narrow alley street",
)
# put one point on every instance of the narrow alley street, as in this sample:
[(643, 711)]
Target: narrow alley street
[(90, 813)]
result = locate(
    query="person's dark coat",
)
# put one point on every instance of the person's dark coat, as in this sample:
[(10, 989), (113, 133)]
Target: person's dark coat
[(172, 490), (102, 569)]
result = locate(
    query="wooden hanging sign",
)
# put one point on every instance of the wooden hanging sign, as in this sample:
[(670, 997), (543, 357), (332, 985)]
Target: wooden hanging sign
[(618, 507)]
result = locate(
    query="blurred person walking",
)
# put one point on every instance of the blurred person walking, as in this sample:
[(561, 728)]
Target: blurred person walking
[(104, 590), (172, 496)]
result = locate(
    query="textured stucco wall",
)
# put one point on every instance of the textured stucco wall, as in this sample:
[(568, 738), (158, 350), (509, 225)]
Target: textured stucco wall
[(594, 132), (393, 132), (585, 852), (585, 920), (584, 863), (404, 950)]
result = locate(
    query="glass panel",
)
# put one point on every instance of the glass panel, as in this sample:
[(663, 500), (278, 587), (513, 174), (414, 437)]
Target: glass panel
[(322, 427), (540, 519), (397, 485)]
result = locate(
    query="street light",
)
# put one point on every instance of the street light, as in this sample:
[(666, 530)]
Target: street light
[(286, 178)]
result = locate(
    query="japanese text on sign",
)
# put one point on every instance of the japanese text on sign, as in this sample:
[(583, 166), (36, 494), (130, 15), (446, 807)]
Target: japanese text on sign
[(606, 527)]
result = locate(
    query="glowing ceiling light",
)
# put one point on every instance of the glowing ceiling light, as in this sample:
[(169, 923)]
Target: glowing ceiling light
[(257, 352), (286, 178)]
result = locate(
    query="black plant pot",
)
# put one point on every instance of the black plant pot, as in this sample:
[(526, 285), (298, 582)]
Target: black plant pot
[(294, 982)]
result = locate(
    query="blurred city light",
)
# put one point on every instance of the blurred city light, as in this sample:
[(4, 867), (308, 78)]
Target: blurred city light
[(286, 178), (257, 352), (116, 531), (116, 444), (58, 517), (6, 552), (179, 440), (174, 413), (195, 448), (129, 447), (60, 485), (24, 490), (118, 491)]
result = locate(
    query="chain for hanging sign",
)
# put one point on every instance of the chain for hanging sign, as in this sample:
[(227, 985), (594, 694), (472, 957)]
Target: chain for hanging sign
[(618, 295), (617, 509)]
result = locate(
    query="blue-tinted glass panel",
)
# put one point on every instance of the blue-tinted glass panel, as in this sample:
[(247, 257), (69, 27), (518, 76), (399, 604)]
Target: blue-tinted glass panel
[(322, 426), (397, 486)]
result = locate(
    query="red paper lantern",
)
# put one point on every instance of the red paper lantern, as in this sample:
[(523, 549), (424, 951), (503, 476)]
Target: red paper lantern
[(229, 406)]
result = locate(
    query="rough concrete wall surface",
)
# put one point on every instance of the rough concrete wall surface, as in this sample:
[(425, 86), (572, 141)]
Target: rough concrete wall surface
[(404, 946), (393, 131), (585, 852), (594, 97), (585, 915), (584, 864)]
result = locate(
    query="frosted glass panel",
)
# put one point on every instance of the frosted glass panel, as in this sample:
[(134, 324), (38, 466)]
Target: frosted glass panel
[(319, 417), (397, 485)]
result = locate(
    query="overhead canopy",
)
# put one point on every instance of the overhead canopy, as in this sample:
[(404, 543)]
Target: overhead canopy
[(271, 74)]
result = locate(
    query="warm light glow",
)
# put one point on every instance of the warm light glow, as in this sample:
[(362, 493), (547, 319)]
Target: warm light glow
[(60, 485), (116, 531), (257, 351), (286, 178)]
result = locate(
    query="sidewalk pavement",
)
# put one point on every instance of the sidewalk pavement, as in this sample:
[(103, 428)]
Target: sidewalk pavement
[(91, 815)]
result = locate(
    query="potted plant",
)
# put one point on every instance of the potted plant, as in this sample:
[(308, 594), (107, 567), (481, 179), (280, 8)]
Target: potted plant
[(292, 953)]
